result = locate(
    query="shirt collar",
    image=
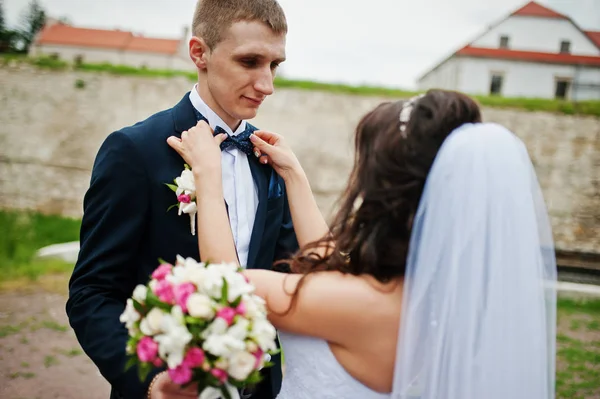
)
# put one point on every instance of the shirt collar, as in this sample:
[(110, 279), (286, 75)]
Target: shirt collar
[(214, 120)]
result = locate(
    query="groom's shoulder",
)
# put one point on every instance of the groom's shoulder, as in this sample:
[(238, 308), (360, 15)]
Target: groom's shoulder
[(158, 124)]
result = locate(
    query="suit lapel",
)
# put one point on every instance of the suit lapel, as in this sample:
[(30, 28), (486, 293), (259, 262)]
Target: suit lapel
[(184, 115), (260, 175)]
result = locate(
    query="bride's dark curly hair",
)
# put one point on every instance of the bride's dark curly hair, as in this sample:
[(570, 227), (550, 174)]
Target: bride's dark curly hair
[(371, 231)]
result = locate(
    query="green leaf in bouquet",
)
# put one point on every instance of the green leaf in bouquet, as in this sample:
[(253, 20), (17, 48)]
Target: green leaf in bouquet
[(139, 307), (132, 361), (172, 187), (153, 301), (225, 392), (254, 378), (224, 292), (172, 206), (143, 370), (162, 261), (186, 166), (237, 301)]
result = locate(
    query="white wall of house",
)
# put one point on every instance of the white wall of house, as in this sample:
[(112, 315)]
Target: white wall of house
[(445, 76), (538, 34), (70, 53), (519, 79), (116, 57)]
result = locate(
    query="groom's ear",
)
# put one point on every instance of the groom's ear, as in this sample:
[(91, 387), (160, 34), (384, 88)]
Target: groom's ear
[(199, 52)]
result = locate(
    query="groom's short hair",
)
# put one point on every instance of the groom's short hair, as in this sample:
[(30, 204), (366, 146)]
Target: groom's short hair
[(212, 17)]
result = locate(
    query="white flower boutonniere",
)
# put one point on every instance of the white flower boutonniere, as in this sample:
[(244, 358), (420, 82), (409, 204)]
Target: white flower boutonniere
[(185, 190)]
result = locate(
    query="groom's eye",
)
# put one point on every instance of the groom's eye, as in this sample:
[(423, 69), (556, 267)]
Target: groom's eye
[(249, 62)]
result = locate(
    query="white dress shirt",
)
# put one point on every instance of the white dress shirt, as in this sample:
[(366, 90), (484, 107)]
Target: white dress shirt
[(239, 189)]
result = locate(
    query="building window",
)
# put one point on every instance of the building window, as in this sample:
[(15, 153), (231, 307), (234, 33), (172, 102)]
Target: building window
[(565, 46), (496, 84), (562, 89), (503, 41)]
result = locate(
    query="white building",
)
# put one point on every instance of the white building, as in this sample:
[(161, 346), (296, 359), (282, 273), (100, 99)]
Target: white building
[(82, 45), (534, 52)]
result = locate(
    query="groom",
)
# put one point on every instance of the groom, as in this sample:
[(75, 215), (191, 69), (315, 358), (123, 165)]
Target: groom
[(126, 228)]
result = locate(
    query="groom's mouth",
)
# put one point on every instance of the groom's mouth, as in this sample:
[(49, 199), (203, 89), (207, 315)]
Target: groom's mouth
[(253, 101)]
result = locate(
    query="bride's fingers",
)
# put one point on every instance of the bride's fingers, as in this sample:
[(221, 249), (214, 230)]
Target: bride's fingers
[(175, 143), (219, 138), (264, 159), (269, 137)]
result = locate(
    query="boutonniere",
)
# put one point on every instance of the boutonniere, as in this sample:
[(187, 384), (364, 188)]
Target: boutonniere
[(185, 190)]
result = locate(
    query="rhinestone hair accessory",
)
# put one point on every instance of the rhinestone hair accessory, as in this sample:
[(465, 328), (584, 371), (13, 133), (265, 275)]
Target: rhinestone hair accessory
[(406, 110)]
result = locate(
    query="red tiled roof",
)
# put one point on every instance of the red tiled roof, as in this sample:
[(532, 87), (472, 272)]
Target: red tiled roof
[(594, 36), (533, 9), (532, 56), (150, 45), (71, 36), (66, 35)]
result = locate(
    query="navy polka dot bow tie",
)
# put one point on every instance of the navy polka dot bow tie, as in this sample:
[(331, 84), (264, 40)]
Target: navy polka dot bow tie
[(240, 141)]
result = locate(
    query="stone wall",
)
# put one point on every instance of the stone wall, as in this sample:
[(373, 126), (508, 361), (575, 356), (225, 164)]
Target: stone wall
[(50, 131)]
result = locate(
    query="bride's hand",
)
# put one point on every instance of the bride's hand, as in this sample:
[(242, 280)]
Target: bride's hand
[(199, 149), (271, 148)]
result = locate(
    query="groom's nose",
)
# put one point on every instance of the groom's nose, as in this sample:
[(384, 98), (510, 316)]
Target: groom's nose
[(264, 82)]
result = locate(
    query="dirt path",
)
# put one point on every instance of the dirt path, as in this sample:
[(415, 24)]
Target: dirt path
[(39, 353)]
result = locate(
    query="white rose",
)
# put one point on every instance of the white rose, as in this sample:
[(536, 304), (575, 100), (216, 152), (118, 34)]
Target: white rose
[(139, 293), (175, 337), (171, 345), (185, 182), (255, 306), (217, 327), (241, 364), (222, 345), (213, 281), (264, 334), (129, 316), (199, 305), (251, 346), (187, 208), (240, 329), (152, 323), (237, 286)]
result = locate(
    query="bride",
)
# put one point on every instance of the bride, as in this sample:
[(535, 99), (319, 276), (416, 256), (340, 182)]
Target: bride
[(435, 279)]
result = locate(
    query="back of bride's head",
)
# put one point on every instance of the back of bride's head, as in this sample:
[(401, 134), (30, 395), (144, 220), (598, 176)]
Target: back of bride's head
[(395, 144)]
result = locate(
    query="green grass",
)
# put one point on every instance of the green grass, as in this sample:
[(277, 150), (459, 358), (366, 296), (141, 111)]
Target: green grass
[(528, 104), (578, 349), (26, 232)]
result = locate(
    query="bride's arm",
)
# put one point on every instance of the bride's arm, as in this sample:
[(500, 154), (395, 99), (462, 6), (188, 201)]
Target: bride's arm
[(330, 305), (309, 224), (215, 239), (201, 151)]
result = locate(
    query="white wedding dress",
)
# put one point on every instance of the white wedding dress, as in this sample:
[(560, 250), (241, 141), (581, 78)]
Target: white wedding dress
[(312, 372)]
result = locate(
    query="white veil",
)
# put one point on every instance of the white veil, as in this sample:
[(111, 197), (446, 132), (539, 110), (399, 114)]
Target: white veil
[(479, 311)]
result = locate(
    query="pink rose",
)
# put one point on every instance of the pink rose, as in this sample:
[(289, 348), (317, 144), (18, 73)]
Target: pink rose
[(259, 355), (241, 309), (181, 374), (219, 374), (227, 314), (164, 291), (182, 292), (157, 362), (194, 358), (162, 271), (185, 198), (147, 349)]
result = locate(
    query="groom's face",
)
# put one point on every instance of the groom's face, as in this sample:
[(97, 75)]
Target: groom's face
[(241, 68)]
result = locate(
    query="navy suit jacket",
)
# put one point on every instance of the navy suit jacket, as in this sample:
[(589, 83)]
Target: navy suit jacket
[(126, 228)]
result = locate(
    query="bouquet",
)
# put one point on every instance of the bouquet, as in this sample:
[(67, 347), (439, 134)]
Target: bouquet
[(203, 322)]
